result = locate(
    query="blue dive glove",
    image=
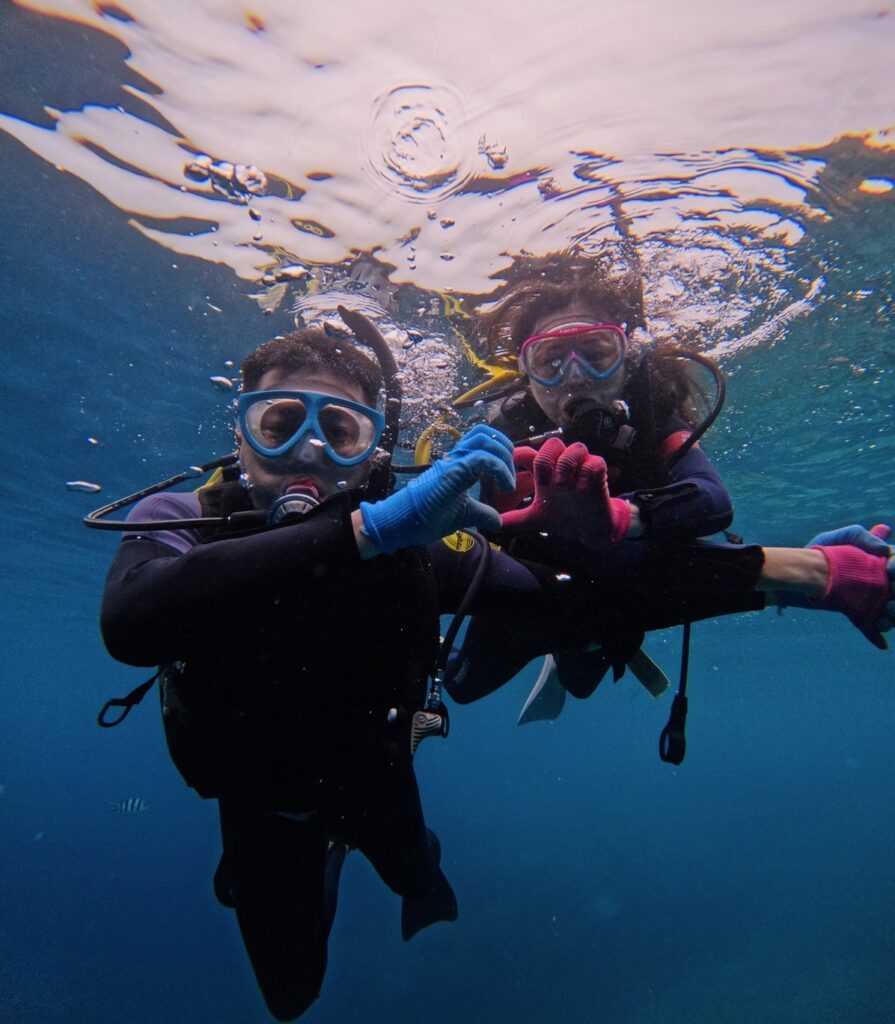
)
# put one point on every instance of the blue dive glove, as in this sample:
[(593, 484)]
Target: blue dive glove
[(856, 536), (437, 502)]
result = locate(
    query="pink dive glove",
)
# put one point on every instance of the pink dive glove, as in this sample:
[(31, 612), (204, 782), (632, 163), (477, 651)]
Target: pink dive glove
[(571, 496), (858, 585)]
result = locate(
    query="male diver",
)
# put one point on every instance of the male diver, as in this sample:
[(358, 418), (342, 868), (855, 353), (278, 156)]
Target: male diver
[(297, 630)]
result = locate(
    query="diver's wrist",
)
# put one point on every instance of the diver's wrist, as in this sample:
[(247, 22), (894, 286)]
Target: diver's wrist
[(365, 546)]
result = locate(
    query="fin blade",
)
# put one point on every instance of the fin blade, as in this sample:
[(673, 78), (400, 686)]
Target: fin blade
[(418, 912), (648, 673), (547, 697)]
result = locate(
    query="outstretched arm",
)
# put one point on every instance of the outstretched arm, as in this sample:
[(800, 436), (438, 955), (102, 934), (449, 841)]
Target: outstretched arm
[(851, 570)]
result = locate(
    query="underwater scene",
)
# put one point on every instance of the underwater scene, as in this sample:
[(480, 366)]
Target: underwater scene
[(186, 180)]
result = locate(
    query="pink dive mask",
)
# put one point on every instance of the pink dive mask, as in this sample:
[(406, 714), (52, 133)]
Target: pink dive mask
[(598, 349)]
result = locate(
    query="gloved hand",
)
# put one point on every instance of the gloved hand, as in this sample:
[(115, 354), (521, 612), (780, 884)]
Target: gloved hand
[(437, 502), (862, 578), (571, 496), (873, 543)]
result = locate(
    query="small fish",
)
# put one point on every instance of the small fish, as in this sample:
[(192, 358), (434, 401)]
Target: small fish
[(224, 383), (271, 299), (83, 485), (133, 805)]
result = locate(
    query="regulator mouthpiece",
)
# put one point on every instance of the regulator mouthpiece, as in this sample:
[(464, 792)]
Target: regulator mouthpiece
[(297, 505), (598, 427)]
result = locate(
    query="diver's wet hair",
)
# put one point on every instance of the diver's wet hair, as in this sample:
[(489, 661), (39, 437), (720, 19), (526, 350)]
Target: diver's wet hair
[(538, 286), (312, 349)]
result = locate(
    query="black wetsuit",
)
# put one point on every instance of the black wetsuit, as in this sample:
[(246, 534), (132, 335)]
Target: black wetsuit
[(291, 652), (288, 653)]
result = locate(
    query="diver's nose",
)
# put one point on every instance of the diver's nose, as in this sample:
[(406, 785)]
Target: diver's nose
[(308, 452), (575, 373)]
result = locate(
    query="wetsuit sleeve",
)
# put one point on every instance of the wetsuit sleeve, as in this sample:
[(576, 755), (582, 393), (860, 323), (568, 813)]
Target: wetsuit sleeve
[(508, 583), (161, 507), (695, 503), (159, 605)]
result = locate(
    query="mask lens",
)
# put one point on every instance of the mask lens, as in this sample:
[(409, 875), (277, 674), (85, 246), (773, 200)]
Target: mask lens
[(348, 432), (600, 350), (545, 358), (272, 422)]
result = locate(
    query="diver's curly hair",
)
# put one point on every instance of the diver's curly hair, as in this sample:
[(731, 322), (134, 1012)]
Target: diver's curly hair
[(536, 286), (657, 384), (309, 350)]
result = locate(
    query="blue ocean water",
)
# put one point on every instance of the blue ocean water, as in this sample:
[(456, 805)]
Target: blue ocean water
[(595, 883)]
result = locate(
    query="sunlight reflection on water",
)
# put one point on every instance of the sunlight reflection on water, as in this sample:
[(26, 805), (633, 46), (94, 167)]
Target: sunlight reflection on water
[(646, 121)]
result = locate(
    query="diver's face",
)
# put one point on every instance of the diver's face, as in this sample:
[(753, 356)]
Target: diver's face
[(577, 384), (305, 468)]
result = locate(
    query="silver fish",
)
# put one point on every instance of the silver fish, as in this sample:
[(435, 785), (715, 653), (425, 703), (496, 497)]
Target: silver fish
[(133, 805), (83, 485), (271, 299)]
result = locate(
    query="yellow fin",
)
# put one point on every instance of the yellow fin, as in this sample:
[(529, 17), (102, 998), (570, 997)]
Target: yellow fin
[(648, 673)]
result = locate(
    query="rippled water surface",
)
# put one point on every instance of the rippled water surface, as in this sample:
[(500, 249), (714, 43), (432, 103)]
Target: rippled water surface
[(183, 180)]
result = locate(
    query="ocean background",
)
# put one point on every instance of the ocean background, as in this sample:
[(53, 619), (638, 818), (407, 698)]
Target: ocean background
[(744, 153)]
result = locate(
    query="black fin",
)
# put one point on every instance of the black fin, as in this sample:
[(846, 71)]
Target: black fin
[(418, 912), (438, 904)]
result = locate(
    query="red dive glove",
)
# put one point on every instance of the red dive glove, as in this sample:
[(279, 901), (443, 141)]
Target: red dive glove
[(859, 585), (571, 496)]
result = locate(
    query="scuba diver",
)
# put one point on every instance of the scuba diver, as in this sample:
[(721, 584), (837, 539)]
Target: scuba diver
[(294, 609), (586, 375), (613, 489)]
